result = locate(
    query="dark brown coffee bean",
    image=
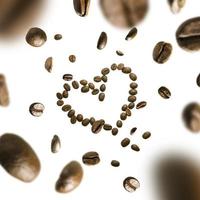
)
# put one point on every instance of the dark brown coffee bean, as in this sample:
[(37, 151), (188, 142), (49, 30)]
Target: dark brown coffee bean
[(135, 147), (75, 84), (72, 58), (85, 122), (104, 79), (146, 135), (59, 95), (123, 116), (83, 82), (124, 107), (115, 131), (133, 85), (91, 158), (115, 163), (198, 80), (101, 97), (97, 79), (120, 66), (18, 158), (4, 95), (95, 91), (176, 5), (67, 77), (162, 51), (58, 37), (113, 66), (133, 76), (131, 34), (71, 113), (105, 71), (131, 105), (36, 37), (141, 104), (133, 130), (119, 53), (107, 127), (131, 184), (49, 64), (67, 87), (125, 142), (91, 86), (119, 123), (92, 120), (97, 126), (188, 34), (73, 119), (79, 118), (132, 92), (66, 108), (132, 98), (81, 7), (128, 112), (36, 109), (55, 144), (164, 92), (103, 88), (60, 102), (126, 70), (65, 94), (85, 89), (70, 177), (124, 14), (102, 41)]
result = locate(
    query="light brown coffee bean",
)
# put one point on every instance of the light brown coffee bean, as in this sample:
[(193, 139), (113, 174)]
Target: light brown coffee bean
[(91, 158), (105, 71), (4, 94), (83, 82), (176, 5), (75, 84), (107, 127), (85, 122), (133, 76), (60, 102), (125, 142), (115, 163), (66, 108), (146, 135), (79, 117), (95, 91), (119, 123), (126, 70), (102, 41), (72, 58), (132, 98), (97, 126), (119, 53), (101, 97), (115, 131), (141, 104), (164, 92), (85, 89), (67, 77), (55, 144), (58, 37), (135, 147), (131, 184), (36, 109), (81, 7), (49, 64), (67, 87), (131, 34), (133, 85)]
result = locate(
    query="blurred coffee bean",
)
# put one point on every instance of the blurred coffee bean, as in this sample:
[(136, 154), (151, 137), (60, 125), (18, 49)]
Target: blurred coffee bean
[(72, 58), (119, 53), (132, 33), (58, 37), (102, 41), (49, 64), (83, 82), (176, 5), (91, 158), (81, 7), (107, 127), (79, 117), (198, 80), (55, 144), (115, 163), (85, 122), (164, 92), (133, 130), (146, 135), (4, 95), (119, 123), (36, 109), (101, 97), (131, 184), (60, 102)]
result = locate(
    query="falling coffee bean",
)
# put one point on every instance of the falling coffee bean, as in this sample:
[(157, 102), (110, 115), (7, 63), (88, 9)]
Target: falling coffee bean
[(92, 120), (75, 84), (36, 37), (133, 77), (67, 77), (103, 88), (97, 126), (132, 98), (49, 64), (107, 127), (85, 89), (162, 51), (85, 122), (115, 163), (65, 94), (18, 158), (120, 66), (36, 109), (102, 41), (58, 37), (135, 147), (132, 92), (113, 66), (59, 95), (97, 79), (133, 130), (198, 80), (71, 113), (125, 142), (123, 116), (141, 104), (60, 102), (67, 87), (95, 91), (73, 119), (131, 105), (119, 123), (105, 71), (91, 86), (101, 97), (79, 117), (164, 92), (126, 70), (91, 158), (4, 95), (81, 7), (70, 177), (66, 108), (131, 184), (133, 85), (146, 135), (176, 5), (104, 79), (72, 58), (115, 131), (132, 33), (83, 82), (119, 53), (55, 144)]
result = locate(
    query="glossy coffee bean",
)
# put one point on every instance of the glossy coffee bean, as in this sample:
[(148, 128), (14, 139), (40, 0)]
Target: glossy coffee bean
[(133, 77), (67, 77), (164, 92), (101, 97), (49, 64), (36, 109), (91, 158), (66, 108), (85, 89), (4, 94), (119, 123), (67, 87), (119, 53), (71, 113), (131, 34), (132, 98), (105, 71), (83, 82), (81, 7), (146, 135), (115, 163), (115, 131), (113, 66), (126, 70), (135, 147), (133, 130), (73, 119), (65, 94), (102, 41), (131, 184), (97, 126), (92, 120), (141, 104), (55, 144), (79, 117), (125, 142), (123, 116), (103, 88), (60, 102), (59, 95)]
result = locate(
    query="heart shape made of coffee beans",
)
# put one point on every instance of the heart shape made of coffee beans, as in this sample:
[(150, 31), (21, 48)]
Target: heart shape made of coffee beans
[(86, 87)]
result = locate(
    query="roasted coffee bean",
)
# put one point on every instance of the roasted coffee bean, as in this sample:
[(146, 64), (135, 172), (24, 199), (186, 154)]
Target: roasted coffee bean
[(133, 76), (79, 118), (4, 95), (124, 107), (115, 163), (133, 85), (65, 94), (128, 112), (135, 147), (36, 109), (103, 88), (198, 80), (95, 91), (70, 177), (131, 184), (132, 98), (102, 41), (126, 70), (75, 84), (188, 34), (55, 144), (72, 58), (131, 34), (105, 71), (91, 86), (113, 66), (73, 119), (124, 14), (104, 79), (125, 142), (58, 37), (83, 82), (131, 105), (66, 108), (132, 92), (85, 122), (191, 117), (97, 126), (18, 158), (164, 92), (119, 123), (162, 51), (67, 87), (176, 5), (120, 66), (60, 102), (91, 158), (97, 79), (115, 131), (71, 113), (81, 7), (59, 95), (49, 64), (146, 135), (101, 97), (36, 37), (67, 77), (119, 53), (107, 127), (85, 89), (141, 104), (92, 120), (133, 130)]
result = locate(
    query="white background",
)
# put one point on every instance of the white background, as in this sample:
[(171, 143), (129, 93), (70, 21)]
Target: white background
[(29, 82)]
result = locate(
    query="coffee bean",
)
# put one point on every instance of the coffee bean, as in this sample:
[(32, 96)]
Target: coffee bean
[(101, 97), (133, 85), (4, 95), (59, 95), (104, 79), (146, 135), (58, 37), (105, 71), (176, 5), (85, 89), (36, 37), (18, 158), (75, 84), (67, 77), (83, 82), (60, 102), (85, 122), (131, 34), (141, 104), (131, 184), (55, 144), (119, 123), (92, 120), (73, 119), (120, 66), (115, 131), (188, 34), (164, 92), (70, 177), (124, 107), (133, 130), (113, 66), (126, 70), (72, 58), (95, 91), (91, 158), (66, 108), (65, 94), (107, 127), (81, 7), (91, 86), (97, 126), (124, 14), (131, 105), (132, 92), (103, 88), (132, 98), (115, 163), (49, 64), (36, 109), (97, 79), (102, 41), (125, 142), (191, 117), (79, 118), (198, 80), (128, 113), (71, 113), (135, 147), (162, 51), (119, 53), (133, 76), (67, 87)]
